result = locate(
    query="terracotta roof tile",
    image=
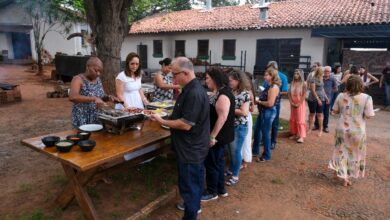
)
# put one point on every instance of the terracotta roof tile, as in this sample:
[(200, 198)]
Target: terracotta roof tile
[(284, 14)]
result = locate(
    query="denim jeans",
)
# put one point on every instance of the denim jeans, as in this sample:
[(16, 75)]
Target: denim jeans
[(262, 132), (235, 148), (215, 167), (275, 125), (387, 88), (325, 112), (191, 177), (333, 99)]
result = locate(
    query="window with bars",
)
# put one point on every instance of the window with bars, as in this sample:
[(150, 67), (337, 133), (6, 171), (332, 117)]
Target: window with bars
[(203, 49), (180, 49), (157, 48), (229, 49)]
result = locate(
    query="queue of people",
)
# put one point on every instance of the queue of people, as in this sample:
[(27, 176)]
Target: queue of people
[(203, 126)]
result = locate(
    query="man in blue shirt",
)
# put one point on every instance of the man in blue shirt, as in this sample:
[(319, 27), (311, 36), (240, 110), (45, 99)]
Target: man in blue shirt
[(283, 91)]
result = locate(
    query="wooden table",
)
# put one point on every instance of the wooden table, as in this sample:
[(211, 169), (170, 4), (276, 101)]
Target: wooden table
[(80, 166)]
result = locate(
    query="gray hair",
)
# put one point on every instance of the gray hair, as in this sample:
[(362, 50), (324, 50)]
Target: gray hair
[(273, 63), (183, 63), (328, 67)]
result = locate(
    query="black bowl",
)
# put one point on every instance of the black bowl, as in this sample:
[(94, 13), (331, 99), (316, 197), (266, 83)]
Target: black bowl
[(50, 141), (84, 135), (87, 145), (74, 137), (64, 145)]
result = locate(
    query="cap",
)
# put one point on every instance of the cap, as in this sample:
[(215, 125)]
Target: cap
[(166, 61)]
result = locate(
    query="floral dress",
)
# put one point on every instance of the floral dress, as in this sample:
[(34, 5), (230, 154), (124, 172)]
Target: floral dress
[(85, 113), (163, 94), (349, 155)]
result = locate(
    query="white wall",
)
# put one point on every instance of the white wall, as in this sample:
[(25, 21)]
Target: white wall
[(14, 14), (245, 40)]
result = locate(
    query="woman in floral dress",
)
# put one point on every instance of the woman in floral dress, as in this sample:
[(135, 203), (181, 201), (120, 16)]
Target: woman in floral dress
[(353, 107)]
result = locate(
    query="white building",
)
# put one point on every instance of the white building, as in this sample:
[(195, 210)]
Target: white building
[(17, 38), (295, 33)]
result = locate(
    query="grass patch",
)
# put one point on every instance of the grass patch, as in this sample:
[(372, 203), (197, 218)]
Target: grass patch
[(58, 180), (277, 181), (92, 192), (37, 214), (116, 215), (25, 187)]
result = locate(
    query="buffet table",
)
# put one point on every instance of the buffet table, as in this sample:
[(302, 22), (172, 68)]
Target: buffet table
[(80, 166)]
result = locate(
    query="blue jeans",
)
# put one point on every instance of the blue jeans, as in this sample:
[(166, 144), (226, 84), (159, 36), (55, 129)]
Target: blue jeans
[(191, 177), (334, 99), (215, 167), (262, 131), (235, 148), (275, 125), (325, 112), (387, 88)]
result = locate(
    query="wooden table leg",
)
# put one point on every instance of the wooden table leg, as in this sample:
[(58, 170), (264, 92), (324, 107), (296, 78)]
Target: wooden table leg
[(81, 194), (67, 194)]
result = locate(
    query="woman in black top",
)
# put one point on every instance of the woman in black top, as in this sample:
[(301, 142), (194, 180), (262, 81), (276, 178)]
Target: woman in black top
[(222, 131)]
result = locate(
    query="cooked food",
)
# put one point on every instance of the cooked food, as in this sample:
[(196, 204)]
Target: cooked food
[(64, 144)]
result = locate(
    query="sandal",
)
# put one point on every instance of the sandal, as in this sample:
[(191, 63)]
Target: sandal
[(232, 181), (228, 173), (300, 141), (243, 166)]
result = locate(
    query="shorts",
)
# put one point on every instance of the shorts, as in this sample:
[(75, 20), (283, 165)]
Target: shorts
[(314, 107)]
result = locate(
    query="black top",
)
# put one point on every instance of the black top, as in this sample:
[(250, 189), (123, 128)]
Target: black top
[(386, 73), (226, 134), (264, 97), (192, 107)]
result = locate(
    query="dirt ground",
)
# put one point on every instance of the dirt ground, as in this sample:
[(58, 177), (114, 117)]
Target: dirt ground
[(296, 184)]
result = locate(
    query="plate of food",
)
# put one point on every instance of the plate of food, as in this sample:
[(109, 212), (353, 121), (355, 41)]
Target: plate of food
[(162, 104), (91, 127), (159, 111)]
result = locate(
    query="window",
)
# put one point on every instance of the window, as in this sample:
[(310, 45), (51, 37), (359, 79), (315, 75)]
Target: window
[(157, 48), (229, 50), (85, 34), (203, 49), (180, 49)]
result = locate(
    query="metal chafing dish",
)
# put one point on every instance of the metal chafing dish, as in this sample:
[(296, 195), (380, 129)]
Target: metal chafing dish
[(118, 121)]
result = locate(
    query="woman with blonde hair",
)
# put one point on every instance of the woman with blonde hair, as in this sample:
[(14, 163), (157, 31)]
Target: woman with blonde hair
[(349, 154), (296, 96), (267, 112), (317, 99)]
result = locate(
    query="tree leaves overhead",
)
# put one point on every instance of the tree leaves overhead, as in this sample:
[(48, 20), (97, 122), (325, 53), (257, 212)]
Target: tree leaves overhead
[(142, 8)]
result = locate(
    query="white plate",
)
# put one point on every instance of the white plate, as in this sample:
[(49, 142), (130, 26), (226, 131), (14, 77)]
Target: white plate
[(166, 127), (91, 127)]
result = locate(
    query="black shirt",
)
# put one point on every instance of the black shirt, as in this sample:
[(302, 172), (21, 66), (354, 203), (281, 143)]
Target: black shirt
[(226, 134), (192, 107), (386, 73)]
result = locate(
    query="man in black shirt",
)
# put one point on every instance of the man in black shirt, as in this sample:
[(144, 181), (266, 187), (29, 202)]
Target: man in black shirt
[(190, 132), (386, 78)]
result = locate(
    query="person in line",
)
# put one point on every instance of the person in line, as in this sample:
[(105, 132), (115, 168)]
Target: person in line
[(338, 75), (330, 87), (353, 70), (128, 84), (238, 83), (349, 155), (87, 94), (222, 105), (247, 148), (385, 79), (163, 82), (296, 96), (317, 99), (283, 91), (190, 135), (267, 113), (367, 78), (314, 68)]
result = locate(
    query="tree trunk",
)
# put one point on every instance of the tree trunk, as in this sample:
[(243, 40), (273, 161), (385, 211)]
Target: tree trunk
[(108, 20), (39, 60)]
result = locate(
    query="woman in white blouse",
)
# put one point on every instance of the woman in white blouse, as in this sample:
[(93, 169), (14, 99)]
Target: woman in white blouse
[(128, 84)]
